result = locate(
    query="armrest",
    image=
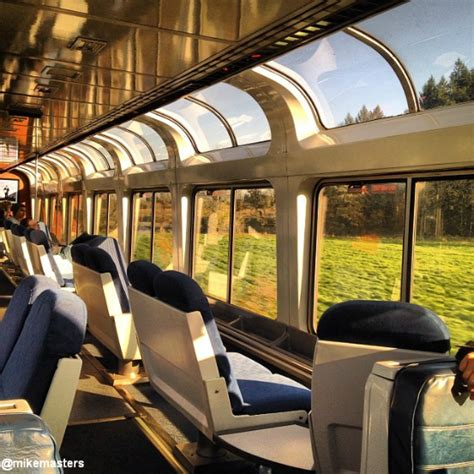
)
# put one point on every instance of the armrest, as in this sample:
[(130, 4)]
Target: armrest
[(7, 407)]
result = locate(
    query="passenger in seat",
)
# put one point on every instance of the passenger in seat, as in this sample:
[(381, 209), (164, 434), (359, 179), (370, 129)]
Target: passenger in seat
[(29, 223), (19, 213)]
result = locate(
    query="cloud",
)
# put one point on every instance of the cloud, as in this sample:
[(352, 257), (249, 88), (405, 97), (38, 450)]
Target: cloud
[(447, 60), (240, 120)]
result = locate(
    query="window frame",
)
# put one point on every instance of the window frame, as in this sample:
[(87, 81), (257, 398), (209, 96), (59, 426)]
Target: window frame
[(94, 210), (70, 197), (235, 309), (409, 231)]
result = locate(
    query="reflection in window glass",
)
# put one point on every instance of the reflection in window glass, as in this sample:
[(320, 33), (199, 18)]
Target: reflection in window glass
[(434, 41), (359, 244), (80, 214), (100, 214), (348, 80), (135, 146), (204, 126), (443, 263), (241, 110), (211, 242), (73, 215), (163, 236), (254, 251), (142, 225), (112, 218)]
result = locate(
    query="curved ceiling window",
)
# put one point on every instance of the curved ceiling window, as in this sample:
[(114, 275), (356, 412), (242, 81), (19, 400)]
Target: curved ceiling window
[(434, 41), (123, 155), (348, 81), (92, 160), (104, 157), (207, 130), (153, 139), (137, 147), (240, 110)]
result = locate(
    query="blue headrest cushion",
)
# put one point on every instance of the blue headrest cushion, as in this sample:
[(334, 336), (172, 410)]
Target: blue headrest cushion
[(38, 237), (100, 261), (8, 224), (19, 230), (12, 323), (83, 238), (78, 253), (384, 323), (182, 292), (28, 231), (141, 274)]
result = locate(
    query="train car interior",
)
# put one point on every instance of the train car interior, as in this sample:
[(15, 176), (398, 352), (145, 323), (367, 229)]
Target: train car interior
[(237, 236)]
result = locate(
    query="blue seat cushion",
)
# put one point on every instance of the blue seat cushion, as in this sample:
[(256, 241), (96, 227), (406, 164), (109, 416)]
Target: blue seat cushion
[(100, 261), (141, 274), (271, 393), (78, 253), (12, 323), (182, 292), (384, 323)]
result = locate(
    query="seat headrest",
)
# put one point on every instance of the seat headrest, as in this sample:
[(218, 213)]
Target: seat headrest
[(384, 323), (8, 224), (67, 327), (181, 292), (18, 230), (100, 261), (78, 253), (141, 274), (38, 237), (83, 238)]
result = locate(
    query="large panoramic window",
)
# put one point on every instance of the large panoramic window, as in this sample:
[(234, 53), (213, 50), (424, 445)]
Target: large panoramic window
[(348, 81), (433, 39), (152, 228), (76, 224), (241, 111), (360, 242), (242, 220), (443, 257)]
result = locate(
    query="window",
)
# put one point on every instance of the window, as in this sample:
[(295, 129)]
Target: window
[(443, 256), (76, 224), (359, 243), (105, 215), (153, 222), (58, 209), (242, 220)]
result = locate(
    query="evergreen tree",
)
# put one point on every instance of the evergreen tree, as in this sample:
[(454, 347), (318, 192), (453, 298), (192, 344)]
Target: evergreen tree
[(348, 119), (460, 82), (429, 94)]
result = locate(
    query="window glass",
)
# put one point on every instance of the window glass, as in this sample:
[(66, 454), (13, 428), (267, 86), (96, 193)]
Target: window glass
[(163, 236), (104, 158), (241, 110), (359, 243), (434, 41), (204, 126), (152, 138), (112, 220), (100, 214), (254, 272), (80, 214), (135, 146), (45, 217), (348, 81), (443, 262), (211, 241), (142, 224), (63, 217)]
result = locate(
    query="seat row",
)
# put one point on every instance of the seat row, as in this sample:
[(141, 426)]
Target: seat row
[(368, 354)]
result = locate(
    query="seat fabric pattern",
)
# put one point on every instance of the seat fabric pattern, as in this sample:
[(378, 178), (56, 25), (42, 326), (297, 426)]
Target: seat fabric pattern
[(100, 261), (182, 292), (430, 430), (38, 237), (385, 323), (141, 274), (55, 328), (12, 323)]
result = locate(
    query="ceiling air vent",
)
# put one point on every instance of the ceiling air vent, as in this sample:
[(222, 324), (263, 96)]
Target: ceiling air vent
[(24, 110), (45, 89), (87, 45), (61, 72)]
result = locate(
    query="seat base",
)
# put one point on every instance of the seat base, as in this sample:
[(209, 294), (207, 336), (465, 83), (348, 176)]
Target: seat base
[(286, 446)]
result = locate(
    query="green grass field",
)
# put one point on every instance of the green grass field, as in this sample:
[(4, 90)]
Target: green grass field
[(443, 279)]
